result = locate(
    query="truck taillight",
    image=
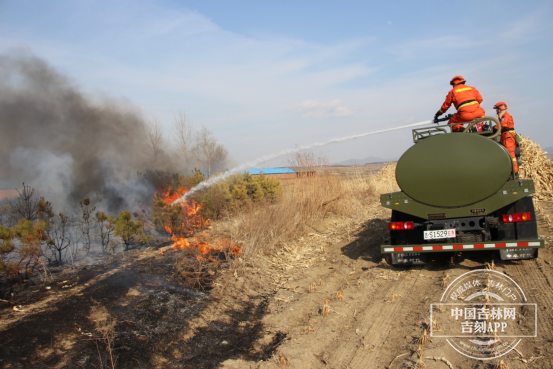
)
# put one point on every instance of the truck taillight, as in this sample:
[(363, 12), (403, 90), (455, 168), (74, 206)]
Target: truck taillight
[(399, 226), (518, 217)]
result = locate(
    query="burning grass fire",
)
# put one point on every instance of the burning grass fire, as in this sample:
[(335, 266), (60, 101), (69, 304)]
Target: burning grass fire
[(186, 225)]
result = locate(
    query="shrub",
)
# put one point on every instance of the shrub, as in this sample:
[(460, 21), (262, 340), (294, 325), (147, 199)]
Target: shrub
[(85, 222), (180, 219), (60, 236), (236, 192), (105, 228), (29, 249), (166, 215), (6, 214), (129, 231), (24, 206), (6, 236)]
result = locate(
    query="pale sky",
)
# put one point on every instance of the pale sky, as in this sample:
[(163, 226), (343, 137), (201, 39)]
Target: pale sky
[(266, 76)]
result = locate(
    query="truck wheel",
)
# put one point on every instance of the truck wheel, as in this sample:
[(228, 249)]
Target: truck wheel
[(410, 237), (517, 231)]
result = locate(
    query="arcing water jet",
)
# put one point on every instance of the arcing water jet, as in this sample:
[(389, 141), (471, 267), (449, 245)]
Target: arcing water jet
[(253, 163)]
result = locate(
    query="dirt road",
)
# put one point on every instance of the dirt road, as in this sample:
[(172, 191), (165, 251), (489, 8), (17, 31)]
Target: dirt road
[(385, 309), (261, 316)]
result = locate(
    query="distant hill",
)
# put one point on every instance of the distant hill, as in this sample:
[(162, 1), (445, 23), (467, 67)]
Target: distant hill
[(370, 159), (376, 159)]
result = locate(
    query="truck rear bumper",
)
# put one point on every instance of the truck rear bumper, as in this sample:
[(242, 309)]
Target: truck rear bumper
[(489, 245)]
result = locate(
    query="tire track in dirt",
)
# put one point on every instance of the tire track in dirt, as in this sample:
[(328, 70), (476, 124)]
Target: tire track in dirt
[(379, 320), (365, 331), (360, 328), (535, 278), (366, 320), (536, 286)]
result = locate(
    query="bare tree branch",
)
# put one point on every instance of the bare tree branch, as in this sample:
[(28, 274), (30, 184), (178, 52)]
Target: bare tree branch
[(183, 133), (155, 139), (220, 156), (209, 153), (204, 148)]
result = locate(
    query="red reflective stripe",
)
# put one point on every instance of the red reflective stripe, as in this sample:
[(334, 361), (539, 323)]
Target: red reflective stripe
[(457, 247)]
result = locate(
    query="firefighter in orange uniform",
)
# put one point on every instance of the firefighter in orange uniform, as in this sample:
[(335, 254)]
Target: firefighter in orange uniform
[(466, 100), (508, 133)]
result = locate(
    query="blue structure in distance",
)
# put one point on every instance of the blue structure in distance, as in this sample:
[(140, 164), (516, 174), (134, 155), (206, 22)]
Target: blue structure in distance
[(255, 171)]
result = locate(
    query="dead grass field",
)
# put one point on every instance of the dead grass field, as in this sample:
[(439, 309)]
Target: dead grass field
[(342, 192), (309, 291)]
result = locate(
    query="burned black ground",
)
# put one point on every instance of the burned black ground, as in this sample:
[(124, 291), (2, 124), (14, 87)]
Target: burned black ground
[(160, 323)]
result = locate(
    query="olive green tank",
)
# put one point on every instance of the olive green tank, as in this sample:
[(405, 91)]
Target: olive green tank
[(451, 170), (453, 175)]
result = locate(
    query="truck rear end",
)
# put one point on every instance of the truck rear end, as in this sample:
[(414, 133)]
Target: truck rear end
[(459, 193)]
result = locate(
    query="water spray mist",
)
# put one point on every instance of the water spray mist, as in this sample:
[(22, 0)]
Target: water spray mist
[(253, 163)]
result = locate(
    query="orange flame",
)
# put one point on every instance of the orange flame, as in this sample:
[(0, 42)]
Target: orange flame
[(206, 250), (192, 222), (171, 195)]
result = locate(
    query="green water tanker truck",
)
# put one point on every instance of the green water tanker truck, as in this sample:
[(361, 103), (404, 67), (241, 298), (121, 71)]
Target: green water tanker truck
[(459, 193)]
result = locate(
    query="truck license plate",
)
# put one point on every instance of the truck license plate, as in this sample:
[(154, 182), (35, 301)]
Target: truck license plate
[(444, 233)]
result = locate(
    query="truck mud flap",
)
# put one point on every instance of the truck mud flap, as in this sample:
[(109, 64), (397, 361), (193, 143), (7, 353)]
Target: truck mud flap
[(409, 258), (518, 254), (482, 246)]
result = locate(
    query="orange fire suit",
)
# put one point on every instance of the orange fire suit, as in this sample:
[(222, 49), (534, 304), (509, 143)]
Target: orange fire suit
[(466, 100), (508, 136)]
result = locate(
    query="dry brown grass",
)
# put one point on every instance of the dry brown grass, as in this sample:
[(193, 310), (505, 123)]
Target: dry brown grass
[(194, 271), (326, 311), (435, 326), (105, 333), (266, 228), (420, 364), (500, 365), (424, 339)]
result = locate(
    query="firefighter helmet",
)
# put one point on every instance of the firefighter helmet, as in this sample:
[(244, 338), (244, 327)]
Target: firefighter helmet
[(500, 106), (456, 80)]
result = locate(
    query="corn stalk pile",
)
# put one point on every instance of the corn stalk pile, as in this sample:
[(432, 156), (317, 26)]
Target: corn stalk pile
[(385, 180), (388, 172), (537, 166)]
